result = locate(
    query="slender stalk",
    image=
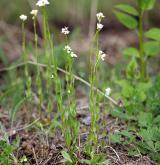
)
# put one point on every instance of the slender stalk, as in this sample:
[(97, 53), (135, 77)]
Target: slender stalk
[(24, 49), (71, 125), (48, 60), (94, 97), (141, 47), (38, 78), (25, 58)]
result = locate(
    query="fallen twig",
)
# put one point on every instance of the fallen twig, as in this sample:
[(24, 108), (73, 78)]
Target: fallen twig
[(63, 71)]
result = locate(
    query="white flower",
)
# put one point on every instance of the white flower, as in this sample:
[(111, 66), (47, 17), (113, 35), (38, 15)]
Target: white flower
[(99, 26), (100, 16), (107, 91), (34, 13), (42, 3), (65, 31), (68, 49), (23, 17), (102, 55), (52, 76), (73, 54)]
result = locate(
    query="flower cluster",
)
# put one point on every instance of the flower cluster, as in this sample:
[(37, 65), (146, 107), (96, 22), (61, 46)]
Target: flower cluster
[(23, 17), (101, 55), (65, 31), (107, 92), (42, 3), (34, 13), (100, 16), (68, 49)]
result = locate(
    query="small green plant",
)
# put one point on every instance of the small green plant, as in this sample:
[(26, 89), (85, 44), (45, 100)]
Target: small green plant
[(38, 78), (141, 103), (133, 18), (71, 125), (94, 96), (7, 149), (25, 58)]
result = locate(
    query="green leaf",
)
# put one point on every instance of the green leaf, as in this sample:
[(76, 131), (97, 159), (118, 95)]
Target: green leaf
[(131, 68), (14, 111), (127, 9), (131, 52), (141, 89), (145, 119), (127, 20), (153, 33), (146, 4), (115, 138), (157, 120), (152, 48), (127, 89), (66, 156)]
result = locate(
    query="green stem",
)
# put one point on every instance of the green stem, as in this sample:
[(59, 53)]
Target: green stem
[(24, 49), (25, 59), (93, 97), (141, 47), (38, 79)]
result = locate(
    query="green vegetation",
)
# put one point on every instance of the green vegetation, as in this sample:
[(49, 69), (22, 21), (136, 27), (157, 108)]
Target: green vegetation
[(45, 88)]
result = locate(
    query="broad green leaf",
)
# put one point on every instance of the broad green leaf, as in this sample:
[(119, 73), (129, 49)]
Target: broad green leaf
[(152, 48), (145, 119), (126, 133), (66, 156), (146, 4), (127, 89), (153, 33), (141, 90), (127, 9), (157, 120), (127, 20), (131, 52), (115, 138)]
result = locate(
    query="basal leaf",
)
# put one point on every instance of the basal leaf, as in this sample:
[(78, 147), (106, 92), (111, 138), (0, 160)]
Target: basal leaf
[(66, 156)]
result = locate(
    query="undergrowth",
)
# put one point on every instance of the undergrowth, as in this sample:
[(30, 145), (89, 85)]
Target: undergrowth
[(139, 91)]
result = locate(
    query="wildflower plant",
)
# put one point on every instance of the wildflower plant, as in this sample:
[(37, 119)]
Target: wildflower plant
[(94, 98), (23, 18), (48, 52), (38, 77), (70, 116)]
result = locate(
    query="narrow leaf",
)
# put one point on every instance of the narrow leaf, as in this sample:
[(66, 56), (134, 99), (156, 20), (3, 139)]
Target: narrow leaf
[(66, 156)]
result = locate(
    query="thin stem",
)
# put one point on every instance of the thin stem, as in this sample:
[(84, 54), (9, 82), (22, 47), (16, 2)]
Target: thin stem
[(141, 47), (25, 58), (38, 79), (24, 49)]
